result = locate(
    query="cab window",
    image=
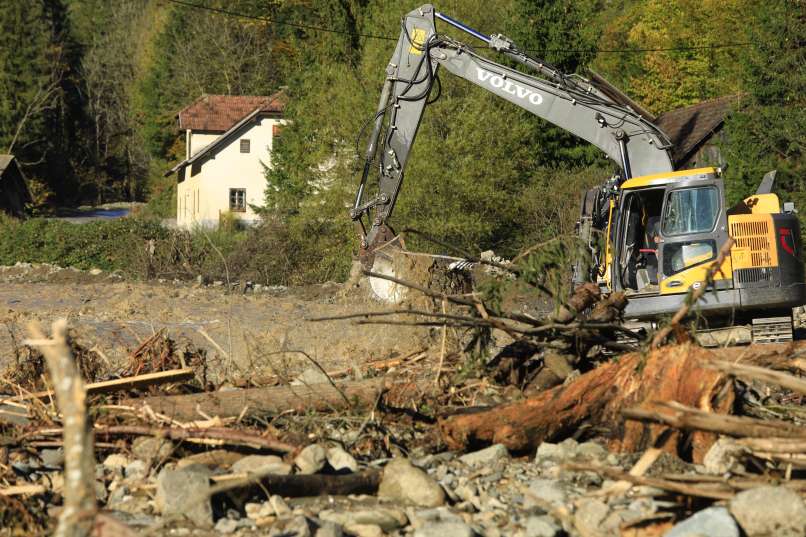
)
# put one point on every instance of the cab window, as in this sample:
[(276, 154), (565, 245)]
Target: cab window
[(679, 256), (691, 210)]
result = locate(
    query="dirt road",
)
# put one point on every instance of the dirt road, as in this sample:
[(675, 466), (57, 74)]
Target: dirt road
[(244, 331)]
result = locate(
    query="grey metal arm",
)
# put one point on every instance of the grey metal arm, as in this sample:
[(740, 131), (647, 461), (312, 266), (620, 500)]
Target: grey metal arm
[(569, 102)]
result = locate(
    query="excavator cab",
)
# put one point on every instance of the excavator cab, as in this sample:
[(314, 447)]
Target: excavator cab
[(671, 227)]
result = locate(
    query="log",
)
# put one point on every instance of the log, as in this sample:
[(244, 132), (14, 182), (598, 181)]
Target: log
[(676, 373), (270, 400), (125, 383), (299, 485)]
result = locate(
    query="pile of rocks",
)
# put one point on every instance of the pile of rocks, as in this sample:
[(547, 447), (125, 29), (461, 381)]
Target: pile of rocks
[(484, 493)]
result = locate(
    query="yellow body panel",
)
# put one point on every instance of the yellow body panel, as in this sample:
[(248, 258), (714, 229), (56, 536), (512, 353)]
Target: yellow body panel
[(754, 240), (417, 40), (660, 179), (695, 275), (764, 204)]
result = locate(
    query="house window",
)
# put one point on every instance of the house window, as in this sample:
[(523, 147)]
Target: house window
[(237, 199), (245, 145)]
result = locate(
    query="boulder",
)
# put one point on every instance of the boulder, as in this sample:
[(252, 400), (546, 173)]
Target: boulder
[(403, 481)]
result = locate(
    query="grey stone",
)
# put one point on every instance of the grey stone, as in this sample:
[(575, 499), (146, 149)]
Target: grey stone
[(591, 451), (328, 529), (136, 470), (386, 518), (542, 526), (115, 462), (279, 506), (312, 375), (297, 526), (261, 463), (723, 457), (711, 522), (486, 456), (423, 517), (444, 529), (52, 458), (150, 448), (256, 511), (364, 530), (405, 482), (548, 490), (590, 515), (184, 493), (311, 459), (340, 460), (769, 511), (567, 449), (226, 526)]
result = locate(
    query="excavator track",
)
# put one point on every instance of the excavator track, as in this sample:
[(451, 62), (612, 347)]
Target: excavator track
[(772, 330)]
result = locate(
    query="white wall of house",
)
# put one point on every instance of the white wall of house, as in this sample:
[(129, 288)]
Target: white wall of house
[(196, 141), (204, 196)]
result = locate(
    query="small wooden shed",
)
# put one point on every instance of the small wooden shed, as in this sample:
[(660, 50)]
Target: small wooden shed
[(14, 194)]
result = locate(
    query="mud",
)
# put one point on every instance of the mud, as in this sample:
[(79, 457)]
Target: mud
[(252, 333)]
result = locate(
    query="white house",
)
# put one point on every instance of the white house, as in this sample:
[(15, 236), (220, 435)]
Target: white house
[(229, 140)]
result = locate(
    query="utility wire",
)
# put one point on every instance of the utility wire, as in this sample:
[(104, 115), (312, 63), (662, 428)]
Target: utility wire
[(236, 14)]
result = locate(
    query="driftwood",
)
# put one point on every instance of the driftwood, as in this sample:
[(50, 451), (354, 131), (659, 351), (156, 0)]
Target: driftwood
[(678, 373), (125, 383), (77, 517), (269, 400), (684, 417), (212, 435), (299, 485)]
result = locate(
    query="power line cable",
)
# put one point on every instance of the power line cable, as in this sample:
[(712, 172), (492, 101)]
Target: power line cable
[(236, 14)]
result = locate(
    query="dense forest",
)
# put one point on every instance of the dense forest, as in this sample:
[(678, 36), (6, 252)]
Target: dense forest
[(89, 91)]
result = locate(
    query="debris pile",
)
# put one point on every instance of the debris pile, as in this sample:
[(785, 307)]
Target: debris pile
[(574, 427)]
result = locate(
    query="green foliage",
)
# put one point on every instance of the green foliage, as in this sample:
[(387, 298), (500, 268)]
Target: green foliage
[(766, 131)]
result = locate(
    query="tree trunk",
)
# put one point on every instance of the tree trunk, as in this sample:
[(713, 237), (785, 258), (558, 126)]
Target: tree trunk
[(677, 373)]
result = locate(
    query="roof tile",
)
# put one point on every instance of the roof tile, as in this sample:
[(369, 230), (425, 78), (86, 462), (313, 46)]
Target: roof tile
[(687, 127), (218, 113)]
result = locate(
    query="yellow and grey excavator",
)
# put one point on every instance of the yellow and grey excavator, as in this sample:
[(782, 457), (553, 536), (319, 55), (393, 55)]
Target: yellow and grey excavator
[(653, 231)]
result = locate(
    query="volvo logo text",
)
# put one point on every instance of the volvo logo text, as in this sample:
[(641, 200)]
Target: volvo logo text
[(508, 86)]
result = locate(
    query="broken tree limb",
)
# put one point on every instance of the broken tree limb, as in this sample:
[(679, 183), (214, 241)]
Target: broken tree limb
[(693, 419), (265, 401), (222, 435), (125, 383), (76, 519), (299, 485), (763, 374), (677, 373)]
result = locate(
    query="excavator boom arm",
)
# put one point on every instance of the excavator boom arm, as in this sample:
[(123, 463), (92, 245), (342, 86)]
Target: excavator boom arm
[(569, 102)]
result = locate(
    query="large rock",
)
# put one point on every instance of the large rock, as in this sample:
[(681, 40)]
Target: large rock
[(549, 491), (311, 459), (261, 464), (713, 522), (298, 526), (770, 511), (542, 526), (185, 494), (486, 456), (150, 448), (385, 518), (405, 482), (341, 461), (444, 529)]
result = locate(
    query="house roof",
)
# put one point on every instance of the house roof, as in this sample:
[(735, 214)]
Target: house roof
[(221, 140), (218, 113), (5, 160), (688, 127)]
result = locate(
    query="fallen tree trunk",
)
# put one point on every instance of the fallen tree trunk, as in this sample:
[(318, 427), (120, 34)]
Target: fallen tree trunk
[(272, 400), (300, 485), (597, 398)]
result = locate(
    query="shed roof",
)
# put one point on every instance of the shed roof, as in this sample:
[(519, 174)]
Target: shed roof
[(5, 160), (219, 113), (688, 127)]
